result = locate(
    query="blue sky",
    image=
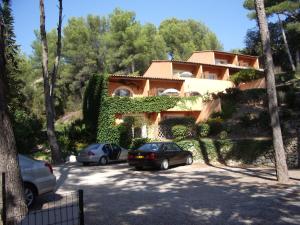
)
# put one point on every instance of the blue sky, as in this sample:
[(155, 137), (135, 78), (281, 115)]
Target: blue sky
[(227, 18)]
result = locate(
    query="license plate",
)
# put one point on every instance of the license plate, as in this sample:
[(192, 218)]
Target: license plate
[(139, 157)]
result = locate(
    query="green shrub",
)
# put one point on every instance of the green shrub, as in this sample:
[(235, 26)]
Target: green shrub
[(27, 130), (246, 76), (186, 121), (223, 135), (192, 146), (179, 132), (215, 124), (203, 129), (138, 142)]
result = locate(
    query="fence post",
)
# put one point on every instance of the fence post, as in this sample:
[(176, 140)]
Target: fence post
[(81, 211), (3, 213)]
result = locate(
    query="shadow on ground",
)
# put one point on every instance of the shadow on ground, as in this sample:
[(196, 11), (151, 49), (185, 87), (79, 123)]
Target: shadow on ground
[(116, 194)]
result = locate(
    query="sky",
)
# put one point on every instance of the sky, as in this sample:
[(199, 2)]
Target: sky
[(226, 18)]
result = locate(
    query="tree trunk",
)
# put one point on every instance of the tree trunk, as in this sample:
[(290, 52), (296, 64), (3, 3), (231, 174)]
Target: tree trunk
[(287, 49), (49, 84), (8, 152), (281, 166)]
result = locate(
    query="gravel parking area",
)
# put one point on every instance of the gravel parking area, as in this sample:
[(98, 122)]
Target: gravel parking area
[(197, 194)]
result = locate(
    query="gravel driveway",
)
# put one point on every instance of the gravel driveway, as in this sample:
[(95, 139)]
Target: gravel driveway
[(197, 194)]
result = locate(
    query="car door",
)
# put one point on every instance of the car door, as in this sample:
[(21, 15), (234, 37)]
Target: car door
[(107, 149), (179, 154), (169, 153), (116, 151)]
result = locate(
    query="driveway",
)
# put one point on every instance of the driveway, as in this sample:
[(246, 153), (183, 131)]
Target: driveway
[(197, 194)]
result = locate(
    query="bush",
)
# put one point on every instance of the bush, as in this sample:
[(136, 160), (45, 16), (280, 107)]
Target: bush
[(27, 130), (203, 129), (72, 137), (215, 124), (138, 142), (179, 132), (192, 146), (245, 76), (186, 121), (223, 135)]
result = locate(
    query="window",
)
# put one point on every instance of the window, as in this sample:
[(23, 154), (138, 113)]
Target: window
[(123, 92), (160, 91), (170, 92), (211, 76), (150, 147), (175, 147), (221, 61)]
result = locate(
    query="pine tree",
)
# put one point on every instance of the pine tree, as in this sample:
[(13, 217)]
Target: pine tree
[(281, 166), (8, 151)]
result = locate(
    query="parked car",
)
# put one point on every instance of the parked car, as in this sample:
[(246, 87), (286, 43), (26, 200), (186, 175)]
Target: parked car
[(102, 154), (160, 155), (37, 176)]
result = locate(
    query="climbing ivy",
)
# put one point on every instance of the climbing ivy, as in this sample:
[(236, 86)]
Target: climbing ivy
[(108, 131), (92, 101), (107, 107)]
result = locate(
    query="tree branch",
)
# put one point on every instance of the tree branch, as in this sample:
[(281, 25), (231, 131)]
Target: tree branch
[(58, 51)]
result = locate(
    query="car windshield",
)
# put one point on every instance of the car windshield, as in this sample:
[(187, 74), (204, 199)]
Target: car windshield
[(92, 147), (150, 147)]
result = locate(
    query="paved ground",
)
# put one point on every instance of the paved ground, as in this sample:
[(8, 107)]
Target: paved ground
[(197, 194)]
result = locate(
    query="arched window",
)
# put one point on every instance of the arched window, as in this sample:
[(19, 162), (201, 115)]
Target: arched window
[(123, 92)]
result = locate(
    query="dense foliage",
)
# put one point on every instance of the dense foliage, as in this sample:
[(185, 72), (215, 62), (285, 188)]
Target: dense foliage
[(179, 132), (246, 76), (246, 151), (289, 12), (117, 43), (182, 37)]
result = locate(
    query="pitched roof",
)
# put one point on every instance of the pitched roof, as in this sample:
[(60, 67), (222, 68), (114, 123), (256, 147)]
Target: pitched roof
[(143, 78)]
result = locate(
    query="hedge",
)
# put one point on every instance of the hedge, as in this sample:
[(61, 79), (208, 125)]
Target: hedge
[(245, 151)]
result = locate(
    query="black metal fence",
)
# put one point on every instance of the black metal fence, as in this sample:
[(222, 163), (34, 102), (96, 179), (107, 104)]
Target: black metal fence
[(51, 209)]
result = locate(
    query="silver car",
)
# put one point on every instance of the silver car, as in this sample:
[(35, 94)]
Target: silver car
[(102, 154), (37, 177)]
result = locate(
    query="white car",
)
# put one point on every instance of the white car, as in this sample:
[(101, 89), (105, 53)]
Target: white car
[(37, 178), (102, 154)]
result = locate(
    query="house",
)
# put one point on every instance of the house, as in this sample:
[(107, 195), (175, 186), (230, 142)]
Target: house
[(202, 73)]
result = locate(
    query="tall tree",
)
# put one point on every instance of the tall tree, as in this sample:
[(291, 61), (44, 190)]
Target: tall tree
[(182, 37), (50, 81), (281, 166), (288, 8), (8, 152), (132, 46)]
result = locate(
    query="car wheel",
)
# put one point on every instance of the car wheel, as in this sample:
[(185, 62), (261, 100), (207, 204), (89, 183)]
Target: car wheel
[(164, 164), (189, 160), (138, 167), (103, 161), (85, 163), (29, 194)]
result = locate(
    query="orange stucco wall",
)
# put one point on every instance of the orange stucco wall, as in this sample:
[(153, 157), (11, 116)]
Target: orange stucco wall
[(185, 67), (202, 57), (136, 86), (159, 69), (221, 72), (208, 109), (155, 84), (228, 57), (259, 83)]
